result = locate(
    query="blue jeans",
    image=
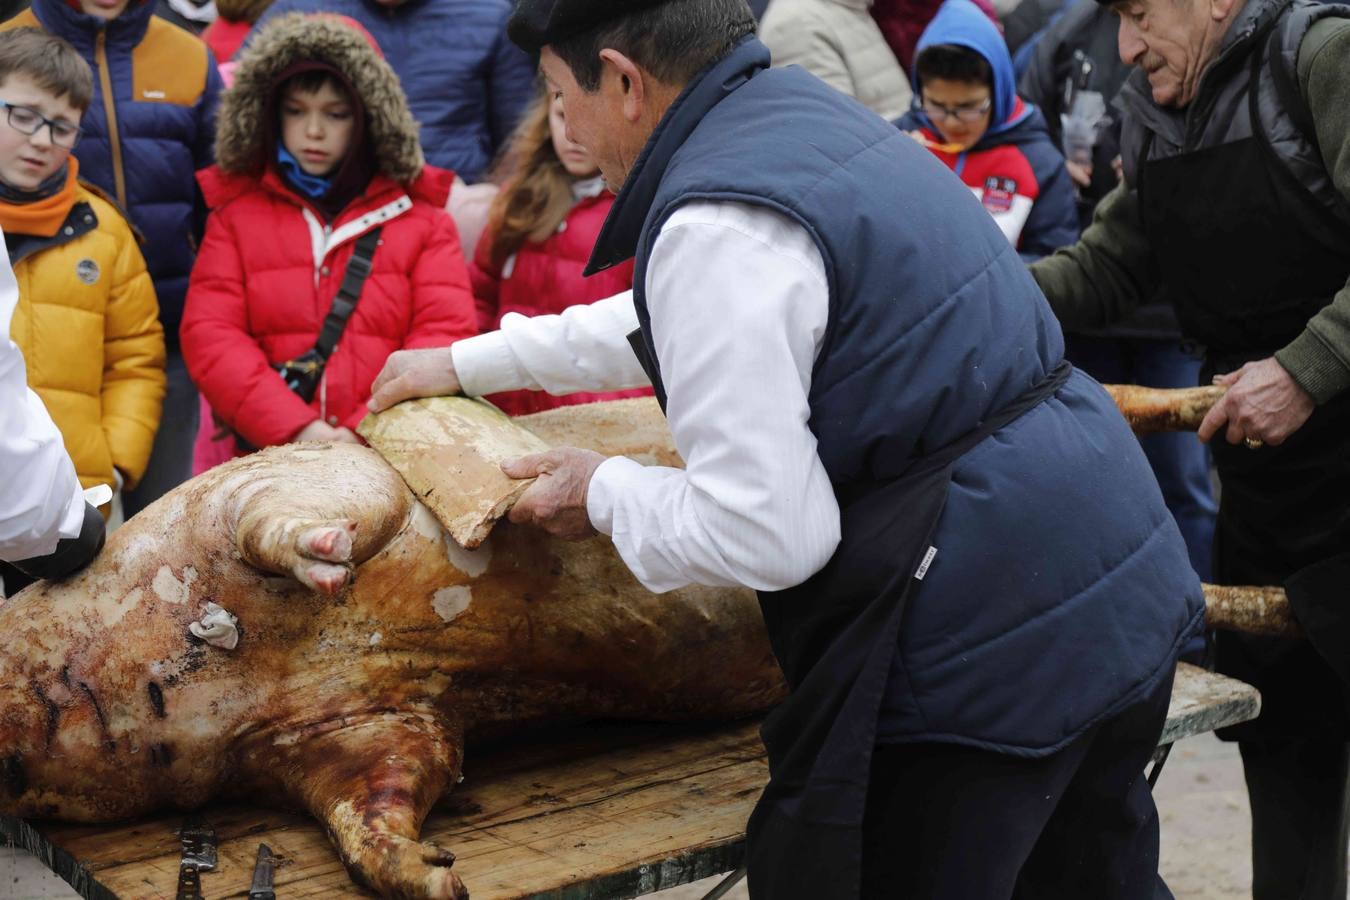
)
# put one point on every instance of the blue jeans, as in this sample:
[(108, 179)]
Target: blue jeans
[(1180, 462), (171, 457)]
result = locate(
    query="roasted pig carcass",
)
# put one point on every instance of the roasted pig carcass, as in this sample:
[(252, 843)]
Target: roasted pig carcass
[(295, 628)]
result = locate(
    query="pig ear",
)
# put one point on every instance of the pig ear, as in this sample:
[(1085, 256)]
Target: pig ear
[(371, 783), (449, 451)]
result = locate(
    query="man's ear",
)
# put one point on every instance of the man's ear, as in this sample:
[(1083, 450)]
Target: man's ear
[(1220, 10), (629, 79)]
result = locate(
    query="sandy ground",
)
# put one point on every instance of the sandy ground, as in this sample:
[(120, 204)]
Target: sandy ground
[(1200, 797)]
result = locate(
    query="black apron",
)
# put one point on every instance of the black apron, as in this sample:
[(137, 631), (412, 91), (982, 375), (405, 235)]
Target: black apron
[(835, 636), (1249, 255)]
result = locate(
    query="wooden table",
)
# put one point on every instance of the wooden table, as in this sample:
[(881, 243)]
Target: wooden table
[(603, 810)]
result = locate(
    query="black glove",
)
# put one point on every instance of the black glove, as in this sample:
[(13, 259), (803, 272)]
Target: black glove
[(71, 554)]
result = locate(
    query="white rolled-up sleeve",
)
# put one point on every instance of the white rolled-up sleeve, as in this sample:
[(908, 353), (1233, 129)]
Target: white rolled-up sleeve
[(584, 348), (40, 497), (739, 304)]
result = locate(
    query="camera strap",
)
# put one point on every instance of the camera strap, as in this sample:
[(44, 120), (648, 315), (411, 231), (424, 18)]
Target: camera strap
[(353, 279)]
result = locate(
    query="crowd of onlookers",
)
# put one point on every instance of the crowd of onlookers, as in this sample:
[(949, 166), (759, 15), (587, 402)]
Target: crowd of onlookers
[(225, 215)]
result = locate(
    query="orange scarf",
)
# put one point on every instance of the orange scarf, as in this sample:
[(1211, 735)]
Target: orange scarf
[(42, 218)]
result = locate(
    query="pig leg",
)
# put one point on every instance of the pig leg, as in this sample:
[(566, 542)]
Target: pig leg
[(372, 783), (319, 529)]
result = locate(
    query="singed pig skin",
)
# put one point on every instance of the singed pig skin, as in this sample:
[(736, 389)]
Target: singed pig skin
[(370, 646)]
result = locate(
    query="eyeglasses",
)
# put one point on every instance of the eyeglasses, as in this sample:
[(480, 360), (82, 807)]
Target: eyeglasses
[(27, 120), (968, 113)]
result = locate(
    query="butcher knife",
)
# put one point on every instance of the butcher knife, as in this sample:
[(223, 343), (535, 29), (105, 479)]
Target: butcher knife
[(198, 841), (262, 875)]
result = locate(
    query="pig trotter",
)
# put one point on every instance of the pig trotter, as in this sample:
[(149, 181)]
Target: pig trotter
[(372, 783), (316, 553)]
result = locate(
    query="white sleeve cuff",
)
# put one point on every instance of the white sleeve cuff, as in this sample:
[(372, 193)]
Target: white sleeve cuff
[(609, 481), (72, 521), (486, 365)]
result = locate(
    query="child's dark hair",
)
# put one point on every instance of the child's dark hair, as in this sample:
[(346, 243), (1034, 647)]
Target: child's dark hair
[(312, 82), (52, 63), (952, 63)]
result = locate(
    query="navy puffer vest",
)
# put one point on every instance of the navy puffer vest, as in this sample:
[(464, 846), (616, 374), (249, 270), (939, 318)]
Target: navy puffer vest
[(1060, 575)]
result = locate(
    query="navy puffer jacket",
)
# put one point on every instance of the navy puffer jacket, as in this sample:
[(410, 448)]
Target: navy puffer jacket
[(164, 87), (466, 83)]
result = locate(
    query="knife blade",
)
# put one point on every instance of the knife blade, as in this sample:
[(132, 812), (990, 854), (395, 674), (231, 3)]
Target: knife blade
[(263, 869), (198, 843)]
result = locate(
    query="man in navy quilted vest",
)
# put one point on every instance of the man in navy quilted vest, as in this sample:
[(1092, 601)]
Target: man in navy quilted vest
[(966, 568)]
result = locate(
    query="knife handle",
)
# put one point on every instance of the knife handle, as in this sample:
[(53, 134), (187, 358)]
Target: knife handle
[(189, 883)]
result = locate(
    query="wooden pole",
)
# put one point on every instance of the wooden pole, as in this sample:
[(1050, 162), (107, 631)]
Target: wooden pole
[(1252, 610), (1150, 410)]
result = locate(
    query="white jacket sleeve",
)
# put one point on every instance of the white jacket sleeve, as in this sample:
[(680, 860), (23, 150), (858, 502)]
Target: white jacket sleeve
[(40, 497)]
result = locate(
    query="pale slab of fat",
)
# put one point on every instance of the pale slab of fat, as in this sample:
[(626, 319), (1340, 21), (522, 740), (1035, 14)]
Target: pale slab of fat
[(449, 451)]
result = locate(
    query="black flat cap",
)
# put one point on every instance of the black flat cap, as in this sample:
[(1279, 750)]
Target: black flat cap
[(535, 23)]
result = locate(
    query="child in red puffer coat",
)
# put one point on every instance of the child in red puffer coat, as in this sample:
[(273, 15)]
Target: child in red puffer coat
[(541, 229), (316, 148)]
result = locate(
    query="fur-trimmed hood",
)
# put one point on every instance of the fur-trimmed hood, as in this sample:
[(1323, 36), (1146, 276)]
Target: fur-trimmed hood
[(295, 37)]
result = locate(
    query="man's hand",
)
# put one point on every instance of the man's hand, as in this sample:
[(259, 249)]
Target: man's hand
[(414, 373), (557, 501), (1263, 404), (1081, 174)]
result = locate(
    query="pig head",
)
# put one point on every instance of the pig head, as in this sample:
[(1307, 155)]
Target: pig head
[(366, 647)]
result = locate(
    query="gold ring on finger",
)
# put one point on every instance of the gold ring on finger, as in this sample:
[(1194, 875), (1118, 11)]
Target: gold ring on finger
[(1254, 443)]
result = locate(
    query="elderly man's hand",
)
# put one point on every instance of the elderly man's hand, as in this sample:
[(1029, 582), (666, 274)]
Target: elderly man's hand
[(1081, 174), (1263, 404), (414, 373), (557, 501)]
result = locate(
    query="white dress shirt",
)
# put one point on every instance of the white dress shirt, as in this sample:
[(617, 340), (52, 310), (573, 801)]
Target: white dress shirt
[(739, 305), (40, 497)]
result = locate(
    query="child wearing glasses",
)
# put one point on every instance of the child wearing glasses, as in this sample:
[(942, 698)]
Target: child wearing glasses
[(148, 129), (87, 321), (967, 112)]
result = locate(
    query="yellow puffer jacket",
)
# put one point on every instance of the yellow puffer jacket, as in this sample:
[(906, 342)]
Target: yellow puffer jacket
[(88, 325)]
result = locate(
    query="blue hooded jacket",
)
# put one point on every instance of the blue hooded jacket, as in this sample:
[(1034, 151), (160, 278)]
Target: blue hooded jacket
[(466, 83), (162, 85), (1016, 158)]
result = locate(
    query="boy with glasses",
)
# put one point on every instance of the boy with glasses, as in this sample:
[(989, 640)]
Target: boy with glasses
[(87, 321), (968, 113), (149, 128)]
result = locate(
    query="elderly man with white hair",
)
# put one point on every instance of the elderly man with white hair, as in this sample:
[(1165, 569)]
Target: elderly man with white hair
[(1236, 205)]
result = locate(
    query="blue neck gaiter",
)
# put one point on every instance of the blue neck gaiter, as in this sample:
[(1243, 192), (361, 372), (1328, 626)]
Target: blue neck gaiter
[(312, 186)]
